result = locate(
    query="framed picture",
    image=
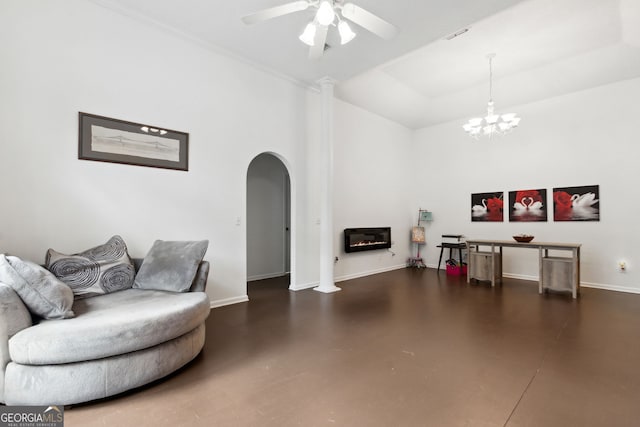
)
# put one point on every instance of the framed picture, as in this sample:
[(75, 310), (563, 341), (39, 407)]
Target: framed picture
[(528, 205), (487, 207), (576, 203), (117, 141)]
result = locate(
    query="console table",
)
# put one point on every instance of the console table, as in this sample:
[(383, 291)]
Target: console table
[(556, 273)]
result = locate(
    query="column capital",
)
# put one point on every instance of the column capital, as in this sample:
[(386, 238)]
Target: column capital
[(327, 81)]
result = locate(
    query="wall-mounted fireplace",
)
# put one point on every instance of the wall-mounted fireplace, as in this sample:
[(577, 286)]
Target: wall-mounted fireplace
[(366, 239)]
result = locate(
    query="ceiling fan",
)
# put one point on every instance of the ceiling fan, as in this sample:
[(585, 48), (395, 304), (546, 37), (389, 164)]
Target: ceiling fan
[(329, 13)]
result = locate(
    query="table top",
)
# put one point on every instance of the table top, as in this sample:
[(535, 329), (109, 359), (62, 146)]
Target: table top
[(532, 244)]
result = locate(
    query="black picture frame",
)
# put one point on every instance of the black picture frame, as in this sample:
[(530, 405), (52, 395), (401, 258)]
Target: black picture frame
[(105, 139)]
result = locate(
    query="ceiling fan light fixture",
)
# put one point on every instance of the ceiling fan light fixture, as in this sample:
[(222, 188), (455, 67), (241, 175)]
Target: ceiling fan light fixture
[(326, 14), (309, 34), (346, 33)]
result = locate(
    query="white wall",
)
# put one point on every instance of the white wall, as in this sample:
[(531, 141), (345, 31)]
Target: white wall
[(585, 138), (59, 58), (267, 207), (373, 187)]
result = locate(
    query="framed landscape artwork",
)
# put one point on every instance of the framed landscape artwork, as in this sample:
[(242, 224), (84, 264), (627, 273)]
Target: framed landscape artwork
[(528, 205), (576, 203), (487, 207), (117, 141)]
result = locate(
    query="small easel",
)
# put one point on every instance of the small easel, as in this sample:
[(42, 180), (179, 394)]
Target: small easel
[(418, 237)]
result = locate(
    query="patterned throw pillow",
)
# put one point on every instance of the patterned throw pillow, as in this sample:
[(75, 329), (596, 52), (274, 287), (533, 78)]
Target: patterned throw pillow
[(101, 270)]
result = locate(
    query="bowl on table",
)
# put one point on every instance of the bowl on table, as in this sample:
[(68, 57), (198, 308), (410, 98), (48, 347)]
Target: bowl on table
[(523, 238)]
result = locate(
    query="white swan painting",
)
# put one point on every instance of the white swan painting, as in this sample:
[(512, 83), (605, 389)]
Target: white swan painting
[(528, 205), (487, 206), (480, 209), (576, 203)]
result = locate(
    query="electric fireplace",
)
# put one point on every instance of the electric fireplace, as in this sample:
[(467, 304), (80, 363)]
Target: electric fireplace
[(366, 239)]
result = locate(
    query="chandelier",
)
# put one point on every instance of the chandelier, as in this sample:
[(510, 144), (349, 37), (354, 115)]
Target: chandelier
[(492, 123)]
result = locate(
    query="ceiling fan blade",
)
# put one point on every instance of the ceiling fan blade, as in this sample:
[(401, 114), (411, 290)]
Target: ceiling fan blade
[(316, 51), (369, 21), (274, 12)]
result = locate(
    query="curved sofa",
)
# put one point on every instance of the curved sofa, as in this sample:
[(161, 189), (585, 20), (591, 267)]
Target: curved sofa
[(116, 342)]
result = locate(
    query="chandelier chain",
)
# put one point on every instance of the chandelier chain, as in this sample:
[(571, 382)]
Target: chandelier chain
[(490, 79)]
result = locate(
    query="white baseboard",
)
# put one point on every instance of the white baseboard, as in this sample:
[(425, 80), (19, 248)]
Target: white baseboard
[(603, 286), (520, 277), (369, 273), (348, 277), (614, 288), (265, 276), (229, 301)]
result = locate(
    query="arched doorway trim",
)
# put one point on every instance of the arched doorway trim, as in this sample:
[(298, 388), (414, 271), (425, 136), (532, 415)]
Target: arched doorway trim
[(292, 212)]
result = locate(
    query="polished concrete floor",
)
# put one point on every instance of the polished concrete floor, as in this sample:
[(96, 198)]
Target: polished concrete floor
[(404, 348)]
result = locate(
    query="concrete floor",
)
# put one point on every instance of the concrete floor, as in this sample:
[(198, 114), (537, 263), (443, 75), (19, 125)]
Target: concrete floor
[(404, 348)]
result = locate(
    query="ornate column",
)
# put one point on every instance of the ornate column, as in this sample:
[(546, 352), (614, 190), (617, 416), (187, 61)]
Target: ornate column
[(326, 189)]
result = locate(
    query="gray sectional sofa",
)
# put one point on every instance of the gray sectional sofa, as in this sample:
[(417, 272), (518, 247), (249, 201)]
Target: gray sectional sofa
[(115, 342)]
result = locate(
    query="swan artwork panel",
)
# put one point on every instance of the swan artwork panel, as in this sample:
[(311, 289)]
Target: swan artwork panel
[(487, 206), (528, 205), (576, 203)]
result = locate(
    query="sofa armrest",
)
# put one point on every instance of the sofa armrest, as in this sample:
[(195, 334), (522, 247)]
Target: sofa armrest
[(199, 283), (14, 317)]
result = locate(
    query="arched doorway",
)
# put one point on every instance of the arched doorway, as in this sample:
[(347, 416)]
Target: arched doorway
[(268, 219)]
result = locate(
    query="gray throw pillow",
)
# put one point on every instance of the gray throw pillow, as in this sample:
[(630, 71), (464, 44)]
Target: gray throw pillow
[(170, 266), (101, 270), (42, 293)]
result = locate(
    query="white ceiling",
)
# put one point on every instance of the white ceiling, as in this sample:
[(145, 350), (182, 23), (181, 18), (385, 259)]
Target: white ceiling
[(544, 48)]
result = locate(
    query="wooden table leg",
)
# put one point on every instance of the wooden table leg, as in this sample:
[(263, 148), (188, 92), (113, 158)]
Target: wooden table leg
[(501, 265), (575, 272), (540, 270), (469, 265), (493, 266)]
